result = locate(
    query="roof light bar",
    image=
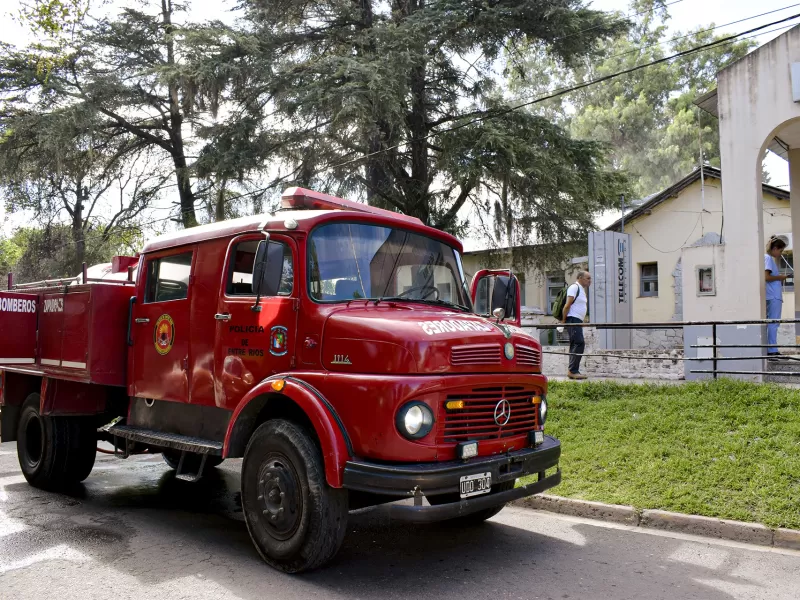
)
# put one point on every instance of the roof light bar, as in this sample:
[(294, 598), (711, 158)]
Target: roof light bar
[(297, 197)]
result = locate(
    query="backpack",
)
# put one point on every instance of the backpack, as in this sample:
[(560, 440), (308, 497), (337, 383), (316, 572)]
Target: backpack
[(557, 309)]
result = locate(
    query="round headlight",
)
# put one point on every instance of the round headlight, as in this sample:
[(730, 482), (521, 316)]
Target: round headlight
[(543, 410), (414, 420)]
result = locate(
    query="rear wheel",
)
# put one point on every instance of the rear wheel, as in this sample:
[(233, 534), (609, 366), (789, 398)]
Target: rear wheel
[(476, 517), (54, 452), (295, 519), (191, 462)]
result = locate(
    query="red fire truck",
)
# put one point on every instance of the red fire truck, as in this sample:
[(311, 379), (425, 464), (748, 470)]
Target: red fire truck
[(332, 345)]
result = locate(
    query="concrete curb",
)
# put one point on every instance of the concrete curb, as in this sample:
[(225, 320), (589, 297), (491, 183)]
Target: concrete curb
[(737, 531)]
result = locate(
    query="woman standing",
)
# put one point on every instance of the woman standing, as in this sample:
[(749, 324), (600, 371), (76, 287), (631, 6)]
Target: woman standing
[(774, 279)]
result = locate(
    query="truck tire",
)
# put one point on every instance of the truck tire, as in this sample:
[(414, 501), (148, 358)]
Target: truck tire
[(54, 452), (476, 517), (191, 462), (295, 519)]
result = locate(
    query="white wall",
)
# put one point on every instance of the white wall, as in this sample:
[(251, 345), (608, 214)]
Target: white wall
[(662, 236), (755, 101)]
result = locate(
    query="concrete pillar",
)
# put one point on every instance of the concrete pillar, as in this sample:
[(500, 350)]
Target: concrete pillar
[(740, 293), (794, 188)]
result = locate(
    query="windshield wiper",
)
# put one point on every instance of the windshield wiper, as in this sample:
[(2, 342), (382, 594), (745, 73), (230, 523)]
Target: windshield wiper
[(424, 301)]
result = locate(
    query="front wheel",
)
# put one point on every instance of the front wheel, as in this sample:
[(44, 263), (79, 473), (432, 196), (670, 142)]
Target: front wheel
[(54, 452), (476, 517), (295, 519)]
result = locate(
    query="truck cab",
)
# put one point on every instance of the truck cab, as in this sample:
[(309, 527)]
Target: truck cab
[(333, 346)]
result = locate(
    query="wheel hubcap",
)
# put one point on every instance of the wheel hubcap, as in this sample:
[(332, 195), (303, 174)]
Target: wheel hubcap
[(279, 497)]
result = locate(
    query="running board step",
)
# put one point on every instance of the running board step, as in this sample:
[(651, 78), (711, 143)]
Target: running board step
[(166, 440)]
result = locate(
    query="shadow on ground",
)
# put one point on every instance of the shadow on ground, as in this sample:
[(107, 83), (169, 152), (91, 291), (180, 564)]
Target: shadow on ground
[(135, 517)]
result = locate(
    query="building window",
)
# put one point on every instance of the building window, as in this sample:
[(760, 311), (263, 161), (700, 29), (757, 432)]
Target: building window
[(649, 280), (705, 281), (521, 278), (555, 283)]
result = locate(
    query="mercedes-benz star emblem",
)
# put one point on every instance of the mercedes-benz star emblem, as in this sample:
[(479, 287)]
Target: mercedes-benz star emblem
[(502, 412)]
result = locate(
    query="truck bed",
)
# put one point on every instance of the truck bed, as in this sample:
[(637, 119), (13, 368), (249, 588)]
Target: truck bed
[(76, 332)]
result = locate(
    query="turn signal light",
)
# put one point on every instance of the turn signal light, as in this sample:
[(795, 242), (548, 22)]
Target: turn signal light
[(454, 404), (278, 385), (536, 400)]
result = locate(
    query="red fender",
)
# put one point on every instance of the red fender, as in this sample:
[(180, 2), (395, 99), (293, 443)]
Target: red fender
[(334, 442)]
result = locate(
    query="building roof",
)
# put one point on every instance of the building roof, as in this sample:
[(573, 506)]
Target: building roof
[(676, 188), (709, 102)]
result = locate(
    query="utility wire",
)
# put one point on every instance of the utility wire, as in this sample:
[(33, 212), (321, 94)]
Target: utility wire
[(681, 37), (624, 18), (491, 115), (562, 91)]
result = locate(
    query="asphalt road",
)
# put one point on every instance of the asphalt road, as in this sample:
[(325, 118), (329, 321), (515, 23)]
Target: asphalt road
[(135, 532)]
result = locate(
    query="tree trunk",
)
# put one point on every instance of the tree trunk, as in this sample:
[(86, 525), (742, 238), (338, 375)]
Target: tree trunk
[(418, 186), (78, 233), (377, 180), (185, 192), (219, 208), (507, 219)]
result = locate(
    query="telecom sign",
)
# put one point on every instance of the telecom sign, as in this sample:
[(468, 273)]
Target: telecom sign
[(610, 293)]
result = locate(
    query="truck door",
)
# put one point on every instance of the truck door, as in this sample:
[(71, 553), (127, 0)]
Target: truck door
[(161, 327), (253, 344), (17, 328)]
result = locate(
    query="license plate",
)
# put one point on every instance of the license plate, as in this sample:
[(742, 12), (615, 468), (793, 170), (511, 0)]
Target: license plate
[(474, 485)]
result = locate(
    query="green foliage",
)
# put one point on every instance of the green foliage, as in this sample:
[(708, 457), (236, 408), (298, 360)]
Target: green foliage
[(723, 449), (53, 18), (118, 77), (646, 117), (33, 254), (398, 103)]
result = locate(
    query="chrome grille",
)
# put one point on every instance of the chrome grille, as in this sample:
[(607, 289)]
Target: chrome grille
[(528, 356), (476, 420), (476, 354)]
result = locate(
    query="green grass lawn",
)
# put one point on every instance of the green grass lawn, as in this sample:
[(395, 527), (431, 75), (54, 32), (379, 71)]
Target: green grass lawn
[(722, 449)]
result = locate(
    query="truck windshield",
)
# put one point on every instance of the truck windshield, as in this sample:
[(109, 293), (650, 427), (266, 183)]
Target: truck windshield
[(350, 261)]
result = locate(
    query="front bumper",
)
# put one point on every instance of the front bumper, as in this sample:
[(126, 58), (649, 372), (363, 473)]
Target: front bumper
[(432, 479)]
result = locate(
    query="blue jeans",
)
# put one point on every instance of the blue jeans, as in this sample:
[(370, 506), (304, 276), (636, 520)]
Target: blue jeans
[(774, 308)]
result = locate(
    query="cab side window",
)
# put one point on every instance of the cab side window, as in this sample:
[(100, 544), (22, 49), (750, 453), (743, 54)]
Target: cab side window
[(240, 270), (168, 278)]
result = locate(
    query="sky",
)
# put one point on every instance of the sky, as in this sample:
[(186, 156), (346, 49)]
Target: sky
[(685, 15)]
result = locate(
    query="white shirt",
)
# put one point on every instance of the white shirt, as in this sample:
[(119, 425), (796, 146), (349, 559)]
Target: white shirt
[(581, 303)]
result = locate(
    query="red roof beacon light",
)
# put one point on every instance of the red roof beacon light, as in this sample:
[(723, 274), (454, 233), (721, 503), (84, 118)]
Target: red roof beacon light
[(297, 197)]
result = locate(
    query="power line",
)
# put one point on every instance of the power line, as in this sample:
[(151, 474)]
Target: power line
[(624, 18), (681, 37), (691, 233), (562, 91), (554, 94)]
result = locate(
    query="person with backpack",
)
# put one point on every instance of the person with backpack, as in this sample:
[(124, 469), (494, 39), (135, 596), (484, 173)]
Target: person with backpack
[(574, 311)]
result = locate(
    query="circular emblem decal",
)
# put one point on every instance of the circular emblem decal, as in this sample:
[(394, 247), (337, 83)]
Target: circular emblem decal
[(164, 334), (277, 340), (502, 412)]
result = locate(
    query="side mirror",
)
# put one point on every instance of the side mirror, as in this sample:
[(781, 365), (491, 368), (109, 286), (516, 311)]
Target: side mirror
[(267, 270), (504, 296), (496, 293)]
